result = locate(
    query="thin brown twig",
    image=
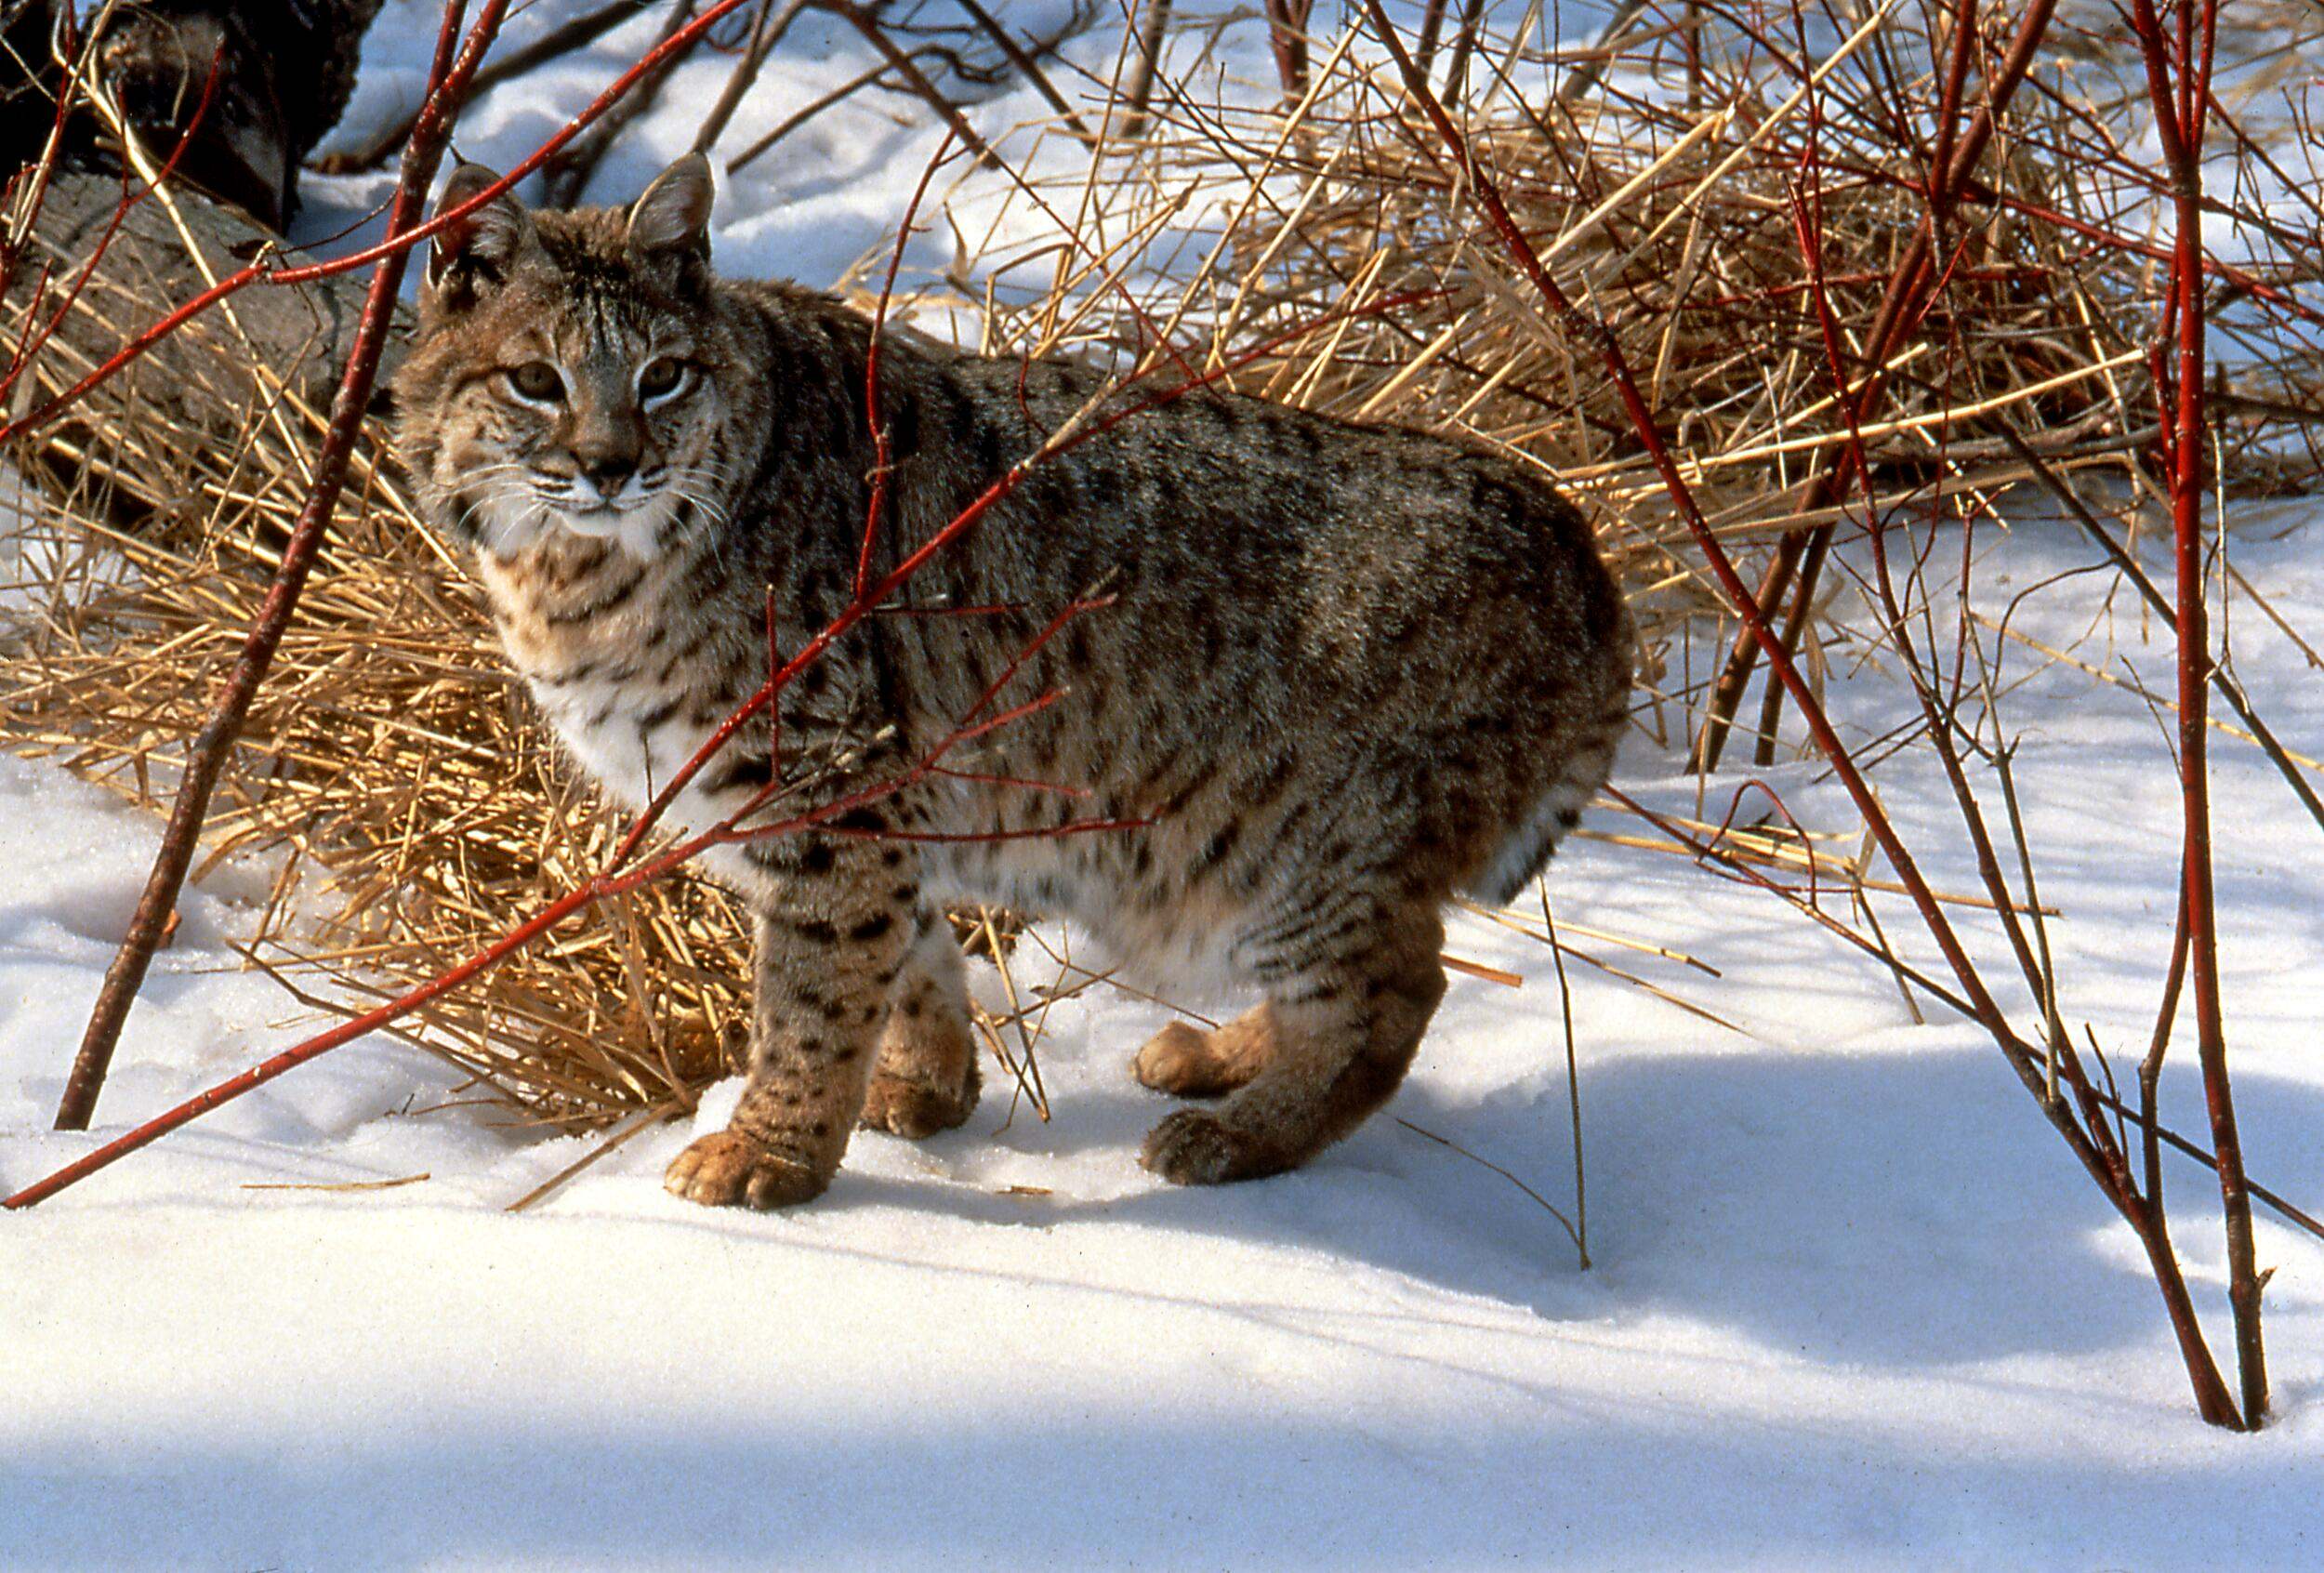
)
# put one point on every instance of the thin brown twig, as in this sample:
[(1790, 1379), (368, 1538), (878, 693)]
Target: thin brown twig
[(1573, 1081), (578, 33), (767, 142), (567, 175), (1145, 55), (1028, 67), (766, 31), (901, 62)]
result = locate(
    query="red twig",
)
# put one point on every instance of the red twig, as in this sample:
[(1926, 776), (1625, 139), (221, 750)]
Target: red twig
[(987, 779), (1940, 188), (2178, 80), (25, 202), (577, 32), (1595, 334), (882, 460), (2094, 1139), (211, 745)]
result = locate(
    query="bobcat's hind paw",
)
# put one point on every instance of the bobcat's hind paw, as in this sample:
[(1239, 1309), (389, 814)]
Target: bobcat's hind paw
[(727, 1169), (1180, 1060), (1195, 1147), (914, 1109)]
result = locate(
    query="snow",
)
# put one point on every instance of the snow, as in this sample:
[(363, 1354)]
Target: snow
[(1850, 1305)]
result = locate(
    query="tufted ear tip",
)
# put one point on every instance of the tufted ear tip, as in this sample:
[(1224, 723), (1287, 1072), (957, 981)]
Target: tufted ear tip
[(465, 181), (489, 237), (674, 214)]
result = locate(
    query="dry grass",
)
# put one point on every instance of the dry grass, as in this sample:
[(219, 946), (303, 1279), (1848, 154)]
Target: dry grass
[(1675, 226)]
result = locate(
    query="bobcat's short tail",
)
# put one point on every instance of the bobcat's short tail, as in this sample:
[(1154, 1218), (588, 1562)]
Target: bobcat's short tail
[(1525, 851)]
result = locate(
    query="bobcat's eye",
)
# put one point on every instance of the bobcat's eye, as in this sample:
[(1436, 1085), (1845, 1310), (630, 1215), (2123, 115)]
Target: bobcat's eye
[(536, 380), (661, 376)]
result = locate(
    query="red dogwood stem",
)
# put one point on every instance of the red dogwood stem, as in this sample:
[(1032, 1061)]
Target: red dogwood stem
[(2179, 119), (211, 745)]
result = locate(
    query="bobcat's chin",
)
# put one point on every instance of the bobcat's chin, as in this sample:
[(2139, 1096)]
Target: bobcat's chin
[(635, 529), (641, 529), (588, 526)]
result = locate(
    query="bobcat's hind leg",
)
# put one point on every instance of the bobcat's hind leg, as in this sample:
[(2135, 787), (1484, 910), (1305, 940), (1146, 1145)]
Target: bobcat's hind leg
[(926, 1077), (1188, 1063), (1347, 1015)]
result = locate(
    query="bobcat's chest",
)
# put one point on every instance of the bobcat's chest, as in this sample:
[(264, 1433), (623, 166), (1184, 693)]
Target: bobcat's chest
[(630, 739), (605, 655)]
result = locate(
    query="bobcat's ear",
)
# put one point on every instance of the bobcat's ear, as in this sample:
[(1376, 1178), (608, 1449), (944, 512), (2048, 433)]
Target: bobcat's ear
[(674, 214), (486, 241)]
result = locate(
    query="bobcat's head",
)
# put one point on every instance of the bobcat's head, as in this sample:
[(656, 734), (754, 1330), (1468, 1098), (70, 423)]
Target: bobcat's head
[(571, 372)]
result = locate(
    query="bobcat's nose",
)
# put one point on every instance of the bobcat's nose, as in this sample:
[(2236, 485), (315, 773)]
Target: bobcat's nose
[(609, 473)]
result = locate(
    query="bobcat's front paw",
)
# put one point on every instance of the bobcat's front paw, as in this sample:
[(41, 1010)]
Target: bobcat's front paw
[(914, 1109), (727, 1168), (1195, 1147)]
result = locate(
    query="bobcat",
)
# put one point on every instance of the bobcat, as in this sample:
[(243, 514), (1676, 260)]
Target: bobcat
[(1348, 672)]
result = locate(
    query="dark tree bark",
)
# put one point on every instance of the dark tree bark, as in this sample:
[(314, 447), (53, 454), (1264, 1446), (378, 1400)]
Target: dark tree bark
[(284, 71)]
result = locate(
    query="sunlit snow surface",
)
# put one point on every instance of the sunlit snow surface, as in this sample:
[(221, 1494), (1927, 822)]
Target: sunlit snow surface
[(1853, 1306)]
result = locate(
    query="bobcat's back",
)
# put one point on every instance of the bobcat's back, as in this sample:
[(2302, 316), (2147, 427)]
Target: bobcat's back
[(1337, 655)]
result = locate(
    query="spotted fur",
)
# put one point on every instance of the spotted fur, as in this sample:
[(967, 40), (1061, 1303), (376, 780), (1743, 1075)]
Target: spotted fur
[(1350, 672)]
